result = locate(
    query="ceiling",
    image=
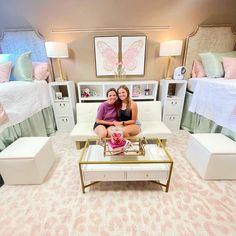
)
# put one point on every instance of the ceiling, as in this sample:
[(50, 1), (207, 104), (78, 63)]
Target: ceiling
[(48, 14)]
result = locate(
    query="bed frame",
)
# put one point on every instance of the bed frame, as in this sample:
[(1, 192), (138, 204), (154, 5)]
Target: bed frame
[(208, 38)]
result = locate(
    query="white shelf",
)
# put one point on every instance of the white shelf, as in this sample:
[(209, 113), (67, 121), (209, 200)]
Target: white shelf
[(64, 108), (100, 88), (171, 95)]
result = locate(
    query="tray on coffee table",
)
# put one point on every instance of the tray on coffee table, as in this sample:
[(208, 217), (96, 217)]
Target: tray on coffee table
[(132, 147)]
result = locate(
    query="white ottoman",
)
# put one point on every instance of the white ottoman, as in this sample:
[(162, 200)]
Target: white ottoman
[(26, 161), (212, 155)]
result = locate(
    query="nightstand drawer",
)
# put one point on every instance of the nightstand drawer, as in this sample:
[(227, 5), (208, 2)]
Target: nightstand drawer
[(62, 108), (173, 106), (65, 123), (172, 122)]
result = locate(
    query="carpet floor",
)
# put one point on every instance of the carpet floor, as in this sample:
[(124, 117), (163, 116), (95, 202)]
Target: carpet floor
[(58, 207)]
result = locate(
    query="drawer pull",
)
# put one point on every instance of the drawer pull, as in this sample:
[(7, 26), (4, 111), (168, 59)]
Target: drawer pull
[(147, 175)]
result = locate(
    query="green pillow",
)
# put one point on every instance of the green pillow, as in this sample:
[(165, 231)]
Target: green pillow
[(23, 69), (212, 62)]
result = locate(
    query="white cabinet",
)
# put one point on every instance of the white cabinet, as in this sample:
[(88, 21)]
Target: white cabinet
[(139, 90), (63, 100), (171, 95)]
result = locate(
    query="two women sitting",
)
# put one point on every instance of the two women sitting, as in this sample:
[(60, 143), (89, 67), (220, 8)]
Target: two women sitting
[(118, 110)]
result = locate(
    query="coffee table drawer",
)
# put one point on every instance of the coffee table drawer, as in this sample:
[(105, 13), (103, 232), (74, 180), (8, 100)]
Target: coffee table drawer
[(104, 175), (147, 175)]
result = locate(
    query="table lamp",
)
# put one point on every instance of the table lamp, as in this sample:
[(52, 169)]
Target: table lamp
[(169, 49), (57, 50)]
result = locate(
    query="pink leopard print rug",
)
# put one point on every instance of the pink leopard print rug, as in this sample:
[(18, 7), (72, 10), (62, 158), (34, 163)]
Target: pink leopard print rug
[(191, 207)]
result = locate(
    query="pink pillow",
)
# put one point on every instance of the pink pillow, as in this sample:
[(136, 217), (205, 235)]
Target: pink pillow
[(229, 64), (198, 69), (40, 70), (5, 71), (3, 116)]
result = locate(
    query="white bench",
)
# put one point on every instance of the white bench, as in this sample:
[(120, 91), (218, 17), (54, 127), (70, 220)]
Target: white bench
[(26, 161), (149, 114), (212, 155)]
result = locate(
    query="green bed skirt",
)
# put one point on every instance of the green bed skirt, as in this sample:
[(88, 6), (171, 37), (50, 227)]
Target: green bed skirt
[(195, 123), (40, 124)]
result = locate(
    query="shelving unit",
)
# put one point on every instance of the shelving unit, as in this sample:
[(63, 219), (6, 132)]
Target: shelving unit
[(136, 88), (171, 95), (63, 100)]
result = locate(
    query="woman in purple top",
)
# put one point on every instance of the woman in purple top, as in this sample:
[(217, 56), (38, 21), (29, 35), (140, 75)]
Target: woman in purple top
[(106, 114)]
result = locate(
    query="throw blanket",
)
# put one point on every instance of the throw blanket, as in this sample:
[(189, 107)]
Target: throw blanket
[(22, 99), (215, 99), (3, 116)]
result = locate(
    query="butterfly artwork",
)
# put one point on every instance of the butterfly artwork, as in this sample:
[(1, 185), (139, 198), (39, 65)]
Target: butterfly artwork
[(106, 53), (131, 60), (133, 54)]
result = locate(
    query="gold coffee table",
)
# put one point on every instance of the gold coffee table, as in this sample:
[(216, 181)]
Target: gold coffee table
[(151, 162)]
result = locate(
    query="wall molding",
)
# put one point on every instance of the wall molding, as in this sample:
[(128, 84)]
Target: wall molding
[(109, 29)]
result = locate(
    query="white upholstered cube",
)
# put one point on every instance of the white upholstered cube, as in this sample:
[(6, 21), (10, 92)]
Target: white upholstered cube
[(26, 161), (212, 155)]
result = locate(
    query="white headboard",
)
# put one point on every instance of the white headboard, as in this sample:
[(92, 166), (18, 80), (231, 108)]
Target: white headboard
[(208, 38)]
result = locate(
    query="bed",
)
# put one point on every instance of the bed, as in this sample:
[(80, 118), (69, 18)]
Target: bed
[(25, 106), (210, 103)]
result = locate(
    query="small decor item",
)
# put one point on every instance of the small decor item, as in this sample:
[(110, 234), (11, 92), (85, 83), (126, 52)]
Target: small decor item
[(86, 92), (106, 55), (94, 93), (147, 92), (117, 136), (117, 143), (120, 72), (136, 91), (59, 95)]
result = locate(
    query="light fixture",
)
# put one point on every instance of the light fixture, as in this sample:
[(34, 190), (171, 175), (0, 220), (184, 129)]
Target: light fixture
[(169, 49), (57, 50)]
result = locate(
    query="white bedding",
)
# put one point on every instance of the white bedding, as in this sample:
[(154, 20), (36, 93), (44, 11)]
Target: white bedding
[(215, 99), (192, 82), (21, 100)]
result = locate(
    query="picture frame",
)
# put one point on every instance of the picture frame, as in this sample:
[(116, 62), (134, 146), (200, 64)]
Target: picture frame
[(106, 55), (133, 52)]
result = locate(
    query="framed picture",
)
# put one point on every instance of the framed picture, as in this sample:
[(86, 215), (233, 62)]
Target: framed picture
[(106, 55), (133, 49)]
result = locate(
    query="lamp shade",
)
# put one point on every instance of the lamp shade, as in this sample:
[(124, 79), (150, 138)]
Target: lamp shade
[(56, 49), (171, 48)]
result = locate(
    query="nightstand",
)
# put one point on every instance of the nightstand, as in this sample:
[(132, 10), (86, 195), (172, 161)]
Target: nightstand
[(171, 95), (63, 100)]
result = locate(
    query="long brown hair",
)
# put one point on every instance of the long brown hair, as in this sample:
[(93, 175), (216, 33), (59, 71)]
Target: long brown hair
[(128, 99)]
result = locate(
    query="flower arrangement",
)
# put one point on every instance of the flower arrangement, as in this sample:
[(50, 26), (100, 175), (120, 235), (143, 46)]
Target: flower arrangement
[(120, 71)]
